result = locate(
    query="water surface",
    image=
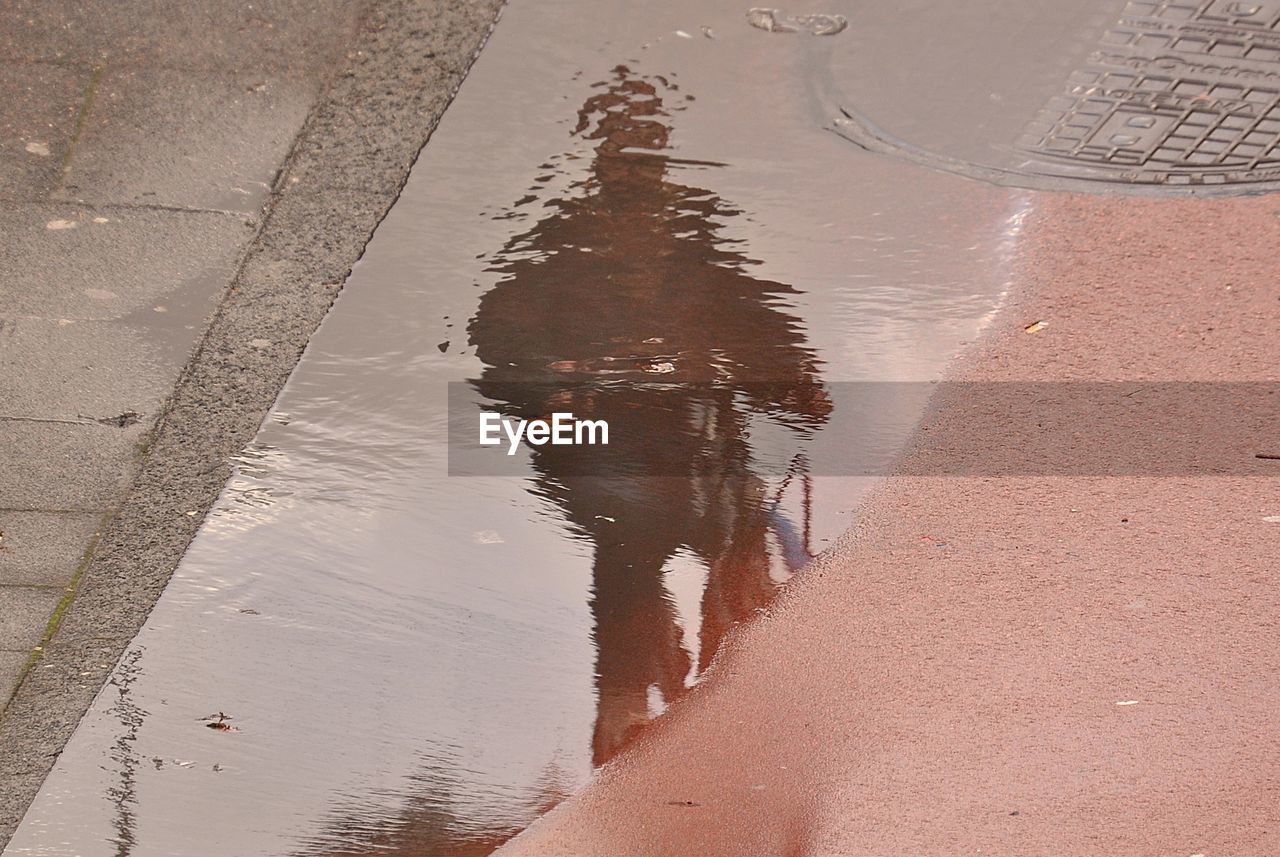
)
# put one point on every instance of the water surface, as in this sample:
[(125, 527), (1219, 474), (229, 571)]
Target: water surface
[(630, 212)]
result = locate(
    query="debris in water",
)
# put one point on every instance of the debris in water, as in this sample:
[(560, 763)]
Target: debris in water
[(219, 722), (1035, 326), (1127, 702), (774, 21), (708, 32), (41, 149), (443, 346), (1268, 456), (61, 224), (662, 368), (682, 34), (487, 537), (1272, 519)]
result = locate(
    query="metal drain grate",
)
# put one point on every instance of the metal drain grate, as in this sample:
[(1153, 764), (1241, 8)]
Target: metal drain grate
[(1168, 96), (1178, 93)]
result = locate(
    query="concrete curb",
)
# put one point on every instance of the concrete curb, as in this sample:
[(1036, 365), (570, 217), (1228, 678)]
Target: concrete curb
[(345, 170)]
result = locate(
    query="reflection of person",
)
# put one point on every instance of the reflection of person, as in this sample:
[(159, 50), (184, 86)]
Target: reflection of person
[(625, 304)]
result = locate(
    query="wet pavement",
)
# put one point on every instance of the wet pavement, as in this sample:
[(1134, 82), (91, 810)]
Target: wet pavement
[(108, 154), (640, 214), (115, 428), (418, 662)]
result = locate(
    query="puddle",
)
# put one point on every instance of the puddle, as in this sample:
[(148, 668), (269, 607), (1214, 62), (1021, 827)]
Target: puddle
[(361, 654)]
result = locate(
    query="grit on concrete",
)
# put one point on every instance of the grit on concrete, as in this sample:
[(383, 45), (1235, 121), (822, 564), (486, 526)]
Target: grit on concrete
[(183, 192)]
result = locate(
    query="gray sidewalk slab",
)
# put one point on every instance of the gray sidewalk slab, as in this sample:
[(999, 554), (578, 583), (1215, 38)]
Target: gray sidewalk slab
[(42, 101), (141, 141), (68, 261), (212, 139), (55, 466), (279, 34), (26, 612), (94, 322), (43, 548), (82, 372), (158, 210), (11, 665)]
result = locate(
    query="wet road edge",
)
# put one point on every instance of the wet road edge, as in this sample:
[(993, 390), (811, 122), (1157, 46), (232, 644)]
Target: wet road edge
[(344, 172)]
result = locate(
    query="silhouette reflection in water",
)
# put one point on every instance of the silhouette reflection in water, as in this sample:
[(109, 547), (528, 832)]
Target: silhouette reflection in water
[(624, 303)]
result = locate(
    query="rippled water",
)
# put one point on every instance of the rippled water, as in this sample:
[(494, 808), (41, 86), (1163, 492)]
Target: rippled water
[(421, 663)]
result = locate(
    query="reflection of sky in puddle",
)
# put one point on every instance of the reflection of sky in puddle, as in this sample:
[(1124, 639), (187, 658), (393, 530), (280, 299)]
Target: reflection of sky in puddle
[(419, 664)]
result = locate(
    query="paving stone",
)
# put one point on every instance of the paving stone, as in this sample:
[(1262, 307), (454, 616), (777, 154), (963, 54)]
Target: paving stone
[(187, 139), (104, 265), (267, 34), (24, 614), (41, 101), (11, 664), (43, 548), (54, 466), (81, 371)]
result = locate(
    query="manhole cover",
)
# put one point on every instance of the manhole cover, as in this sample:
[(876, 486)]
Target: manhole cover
[(1168, 95)]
